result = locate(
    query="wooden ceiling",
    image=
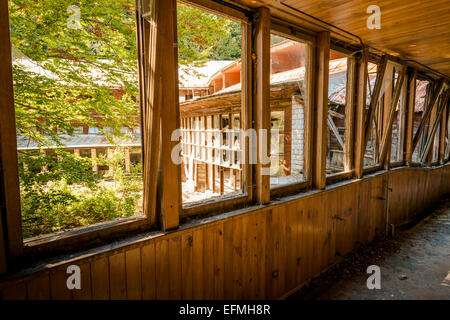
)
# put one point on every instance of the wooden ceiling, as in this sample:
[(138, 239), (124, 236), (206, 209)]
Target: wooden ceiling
[(417, 30)]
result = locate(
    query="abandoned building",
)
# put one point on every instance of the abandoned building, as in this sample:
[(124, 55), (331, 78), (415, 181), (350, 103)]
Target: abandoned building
[(262, 160)]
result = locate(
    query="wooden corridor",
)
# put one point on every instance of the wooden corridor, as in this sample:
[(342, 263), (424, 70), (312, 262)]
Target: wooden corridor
[(252, 254), (252, 239)]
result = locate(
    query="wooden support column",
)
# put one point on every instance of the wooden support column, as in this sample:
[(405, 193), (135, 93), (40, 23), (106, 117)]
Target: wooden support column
[(391, 105), (321, 109), (431, 135), (361, 94), (410, 115), (166, 85), (444, 124), (350, 114), (11, 244), (262, 103), (431, 102)]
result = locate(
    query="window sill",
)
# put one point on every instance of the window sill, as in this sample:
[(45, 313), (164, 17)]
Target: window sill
[(84, 237)]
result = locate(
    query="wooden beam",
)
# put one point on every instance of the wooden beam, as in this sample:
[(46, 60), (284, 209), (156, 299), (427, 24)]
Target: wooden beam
[(434, 126), (444, 129), (387, 133), (166, 66), (335, 131), (321, 109), (350, 114), (246, 112), (262, 103), (428, 108), (9, 176), (381, 73), (361, 94), (150, 103), (410, 115)]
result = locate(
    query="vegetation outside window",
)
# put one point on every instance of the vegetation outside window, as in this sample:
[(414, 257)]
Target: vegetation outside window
[(75, 63)]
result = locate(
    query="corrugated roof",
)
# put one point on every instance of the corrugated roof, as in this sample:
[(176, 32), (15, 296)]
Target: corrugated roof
[(198, 77), (80, 141)]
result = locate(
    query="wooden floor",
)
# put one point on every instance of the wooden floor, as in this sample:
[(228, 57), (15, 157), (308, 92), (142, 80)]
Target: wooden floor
[(256, 253)]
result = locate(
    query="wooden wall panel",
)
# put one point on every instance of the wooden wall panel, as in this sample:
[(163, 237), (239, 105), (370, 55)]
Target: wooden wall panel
[(263, 253)]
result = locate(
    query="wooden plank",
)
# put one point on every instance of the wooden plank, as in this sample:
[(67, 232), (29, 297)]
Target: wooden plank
[(350, 113), (237, 258), (361, 93), (428, 109), (321, 108), (8, 153), (246, 121), (3, 266), (17, 291), (150, 104), (262, 102), (291, 232), (261, 255), (387, 133), (170, 119), (208, 263), (117, 277), (381, 75), (175, 280), (197, 274), (218, 262), (250, 261), (443, 133), (245, 256), (38, 288), (162, 269), (186, 265), (58, 285), (148, 271), (410, 115), (100, 279), (85, 293), (133, 274), (282, 252), (434, 126)]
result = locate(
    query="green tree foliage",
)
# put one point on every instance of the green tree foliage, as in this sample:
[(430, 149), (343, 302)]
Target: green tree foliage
[(68, 60)]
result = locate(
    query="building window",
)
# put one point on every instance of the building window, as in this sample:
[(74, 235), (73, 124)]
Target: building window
[(67, 72), (398, 125), (209, 59), (288, 101), (93, 130), (337, 113)]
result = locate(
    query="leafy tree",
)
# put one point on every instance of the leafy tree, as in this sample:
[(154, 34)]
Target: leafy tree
[(76, 63), (229, 47)]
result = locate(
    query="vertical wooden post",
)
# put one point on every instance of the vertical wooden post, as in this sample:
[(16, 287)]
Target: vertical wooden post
[(361, 95), (12, 233), (444, 123), (410, 115), (350, 114), (246, 115), (167, 66), (321, 108), (262, 103)]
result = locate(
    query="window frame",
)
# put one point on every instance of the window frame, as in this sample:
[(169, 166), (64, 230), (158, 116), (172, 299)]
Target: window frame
[(92, 235), (292, 33), (350, 118), (231, 202)]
